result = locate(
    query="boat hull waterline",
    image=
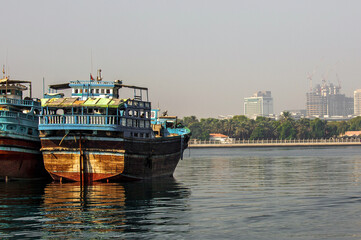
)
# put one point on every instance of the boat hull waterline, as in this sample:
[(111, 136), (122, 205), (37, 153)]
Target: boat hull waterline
[(91, 159)]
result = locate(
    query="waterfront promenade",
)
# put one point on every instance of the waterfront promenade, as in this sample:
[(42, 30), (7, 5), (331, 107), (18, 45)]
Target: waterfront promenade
[(276, 143)]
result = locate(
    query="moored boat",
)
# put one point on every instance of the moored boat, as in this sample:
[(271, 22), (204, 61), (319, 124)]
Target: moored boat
[(20, 156), (95, 135)]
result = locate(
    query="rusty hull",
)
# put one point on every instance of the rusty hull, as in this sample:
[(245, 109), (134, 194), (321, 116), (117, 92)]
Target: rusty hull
[(114, 159)]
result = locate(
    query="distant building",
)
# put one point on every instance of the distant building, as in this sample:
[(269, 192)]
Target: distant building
[(260, 104), (351, 134), (219, 137), (326, 100), (357, 102), (223, 117), (296, 113)]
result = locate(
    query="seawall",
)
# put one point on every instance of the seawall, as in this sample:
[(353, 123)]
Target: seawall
[(276, 143)]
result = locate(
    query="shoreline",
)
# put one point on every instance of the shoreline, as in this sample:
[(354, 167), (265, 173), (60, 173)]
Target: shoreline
[(277, 143)]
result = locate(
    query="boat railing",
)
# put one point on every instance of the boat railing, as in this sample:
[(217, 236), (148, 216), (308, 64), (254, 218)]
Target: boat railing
[(93, 120), (12, 101), (18, 115), (94, 83)]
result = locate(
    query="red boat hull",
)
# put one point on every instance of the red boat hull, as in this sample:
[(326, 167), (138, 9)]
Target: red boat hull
[(21, 159), (20, 165)]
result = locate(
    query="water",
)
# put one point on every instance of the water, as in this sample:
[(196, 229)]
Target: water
[(255, 193)]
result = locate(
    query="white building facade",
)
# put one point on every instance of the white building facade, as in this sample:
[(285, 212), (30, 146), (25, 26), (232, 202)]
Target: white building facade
[(357, 102), (260, 104)]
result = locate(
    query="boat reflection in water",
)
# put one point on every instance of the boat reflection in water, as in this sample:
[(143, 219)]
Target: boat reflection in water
[(116, 209)]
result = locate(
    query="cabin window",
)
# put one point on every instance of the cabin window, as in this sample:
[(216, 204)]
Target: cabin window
[(97, 90), (142, 135), (153, 114), (91, 90), (76, 90), (80, 90), (135, 134), (129, 123), (124, 121), (135, 123), (147, 135), (130, 113), (141, 123), (30, 131), (135, 113), (108, 91), (102, 90), (89, 110)]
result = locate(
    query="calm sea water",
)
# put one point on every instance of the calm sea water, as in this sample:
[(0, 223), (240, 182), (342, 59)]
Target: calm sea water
[(259, 193)]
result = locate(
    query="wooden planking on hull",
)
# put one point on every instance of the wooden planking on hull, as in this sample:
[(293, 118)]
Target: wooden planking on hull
[(22, 143), (95, 165)]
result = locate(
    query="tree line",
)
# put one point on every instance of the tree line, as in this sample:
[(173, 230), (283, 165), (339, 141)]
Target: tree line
[(241, 127)]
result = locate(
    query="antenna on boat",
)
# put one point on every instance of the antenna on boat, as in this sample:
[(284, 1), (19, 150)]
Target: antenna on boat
[(43, 87), (99, 77)]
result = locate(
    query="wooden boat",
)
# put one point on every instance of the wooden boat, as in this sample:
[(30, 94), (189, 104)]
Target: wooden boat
[(20, 156), (96, 136)]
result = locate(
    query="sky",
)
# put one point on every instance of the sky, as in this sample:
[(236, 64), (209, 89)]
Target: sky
[(197, 57)]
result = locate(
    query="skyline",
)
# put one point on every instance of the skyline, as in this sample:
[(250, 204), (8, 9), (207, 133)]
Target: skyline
[(197, 58)]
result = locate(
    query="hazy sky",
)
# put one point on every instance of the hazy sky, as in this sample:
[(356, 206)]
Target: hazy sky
[(196, 57)]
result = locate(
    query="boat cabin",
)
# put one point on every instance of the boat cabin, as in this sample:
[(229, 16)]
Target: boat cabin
[(95, 107), (11, 89)]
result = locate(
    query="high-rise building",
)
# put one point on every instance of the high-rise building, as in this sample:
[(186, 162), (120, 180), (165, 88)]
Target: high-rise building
[(357, 102), (260, 104), (327, 100)]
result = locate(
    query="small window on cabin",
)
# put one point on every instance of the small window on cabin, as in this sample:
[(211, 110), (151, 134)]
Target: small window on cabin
[(92, 90), (135, 113), (147, 135), (108, 91), (153, 114), (80, 90), (97, 90), (30, 131), (130, 113), (76, 90), (135, 134), (86, 90), (142, 135), (102, 90)]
